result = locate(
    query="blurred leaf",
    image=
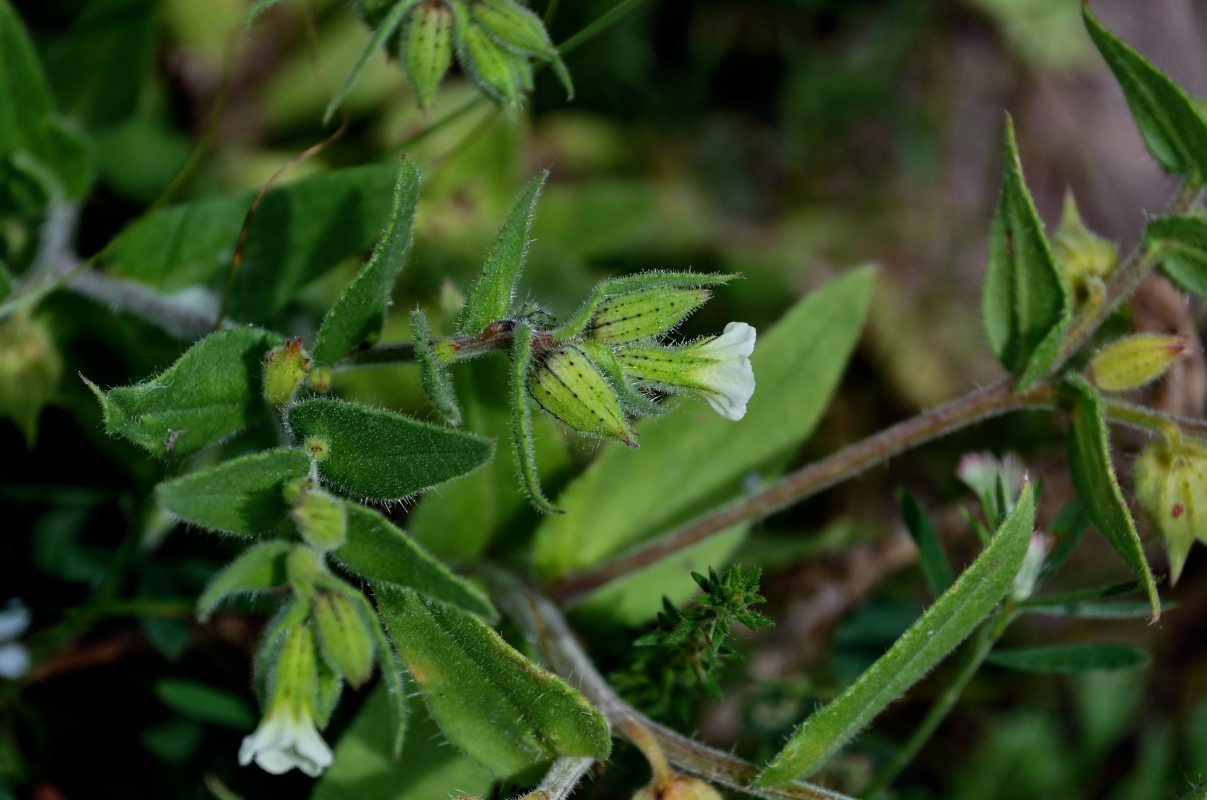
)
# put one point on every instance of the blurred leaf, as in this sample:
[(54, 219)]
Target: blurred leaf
[(299, 231), (364, 768), (496, 705), (491, 297), (1071, 658), (626, 497), (1093, 603), (211, 392), (944, 625), (379, 455), (1026, 305), (99, 66), (6, 280), (169, 637), (930, 549), (358, 314), (380, 552), (243, 495), (1181, 244), (259, 568), (205, 703), (1173, 129), (1098, 488), (173, 741), (386, 27)]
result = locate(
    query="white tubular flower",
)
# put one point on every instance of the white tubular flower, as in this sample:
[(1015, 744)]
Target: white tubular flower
[(14, 658), (727, 383), (287, 736)]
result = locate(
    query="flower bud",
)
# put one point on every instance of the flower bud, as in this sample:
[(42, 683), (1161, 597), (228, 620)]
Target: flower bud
[(345, 639), (284, 369), (30, 368), (321, 519), (1171, 485), (318, 448), (1131, 362), (428, 48), (320, 379), (513, 26), (1082, 255), (643, 314), (677, 787), (568, 385), (302, 566), (492, 67)]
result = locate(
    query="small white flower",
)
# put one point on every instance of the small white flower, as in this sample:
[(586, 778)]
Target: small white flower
[(14, 658), (728, 382), (287, 738)]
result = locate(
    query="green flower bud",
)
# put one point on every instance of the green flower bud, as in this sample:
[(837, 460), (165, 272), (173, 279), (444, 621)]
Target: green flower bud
[(1171, 485), (1131, 362), (321, 519), (428, 48), (30, 368), (1084, 257), (284, 369), (303, 565), (344, 638), (492, 67), (318, 448), (320, 379), (644, 314), (518, 29), (568, 385)]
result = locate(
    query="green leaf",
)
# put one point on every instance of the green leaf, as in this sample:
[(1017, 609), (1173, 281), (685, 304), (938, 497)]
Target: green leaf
[(244, 495), (205, 703), (380, 455), (1089, 609), (258, 569), (1181, 244), (211, 392), (299, 231), (358, 314), (944, 625), (630, 496), (930, 549), (433, 372), (1097, 487), (365, 769), (1025, 304), (380, 552), (383, 31), (491, 297), (1169, 122), (1070, 659), (522, 444), (501, 709)]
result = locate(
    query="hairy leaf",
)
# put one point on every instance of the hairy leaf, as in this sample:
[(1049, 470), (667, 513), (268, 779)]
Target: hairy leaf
[(1025, 304), (944, 625), (1181, 244), (211, 392), (500, 708), (358, 314), (1098, 488), (433, 372), (490, 299), (259, 568), (1070, 659), (243, 495), (1172, 127), (380, 455), (380, 552)]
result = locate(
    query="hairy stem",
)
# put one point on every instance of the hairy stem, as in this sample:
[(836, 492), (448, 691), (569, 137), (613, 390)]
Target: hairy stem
[(563, 777), (542, 621), (808, 480)]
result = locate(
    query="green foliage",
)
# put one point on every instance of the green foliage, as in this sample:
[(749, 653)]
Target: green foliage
[(1181, 245), (205, 703), (1026, 305), (437, 382), (944, 625), (212, 392), (360, 311), (1070, 659), (383, 32), (1170, 123), (474, 683), (930, 549), (260, 568), (380, 455), (1098, 488)]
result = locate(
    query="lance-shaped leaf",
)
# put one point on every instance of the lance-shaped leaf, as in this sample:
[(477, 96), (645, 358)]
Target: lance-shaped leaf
[(380, 455), (380, 35), (1097, 487), (930, 549), (433, 372), (1181, 244), (212, 392), (944, 625), (1173, 129), (257, 569), (490, 299), (1070, 659), (1025, 304), (380, 552), (359, 312), (492, 702), (244, 495)]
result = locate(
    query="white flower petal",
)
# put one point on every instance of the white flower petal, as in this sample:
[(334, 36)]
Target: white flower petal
[(282, 743), (729, 381), (14, 661), (13, 621), (736, 341)]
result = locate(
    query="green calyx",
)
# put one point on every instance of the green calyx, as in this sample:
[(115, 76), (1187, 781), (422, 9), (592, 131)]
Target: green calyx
[(567, 384), (643, 314)]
